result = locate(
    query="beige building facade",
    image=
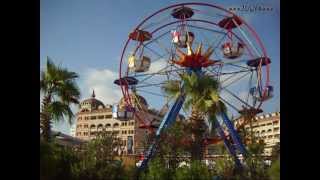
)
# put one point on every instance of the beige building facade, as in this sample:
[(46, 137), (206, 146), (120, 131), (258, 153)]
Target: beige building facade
[(267, 128), (94, 117)]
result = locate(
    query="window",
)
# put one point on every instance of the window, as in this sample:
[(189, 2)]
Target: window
[(92, 127), (276, 129), (86, 118), (125, 123), (108, 125), (100, 127), (85, 126), (270, 136), (277, 136), (108, 116), (115, 125), (124, 132), (269, 124), (269, 130), (100, 117), (93, 117), (92, 133), (275, 122)]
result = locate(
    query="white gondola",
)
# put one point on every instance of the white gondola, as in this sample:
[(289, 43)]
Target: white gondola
[(232, 51), (121, 113), (115, 111), (139, 64), (181, 39)]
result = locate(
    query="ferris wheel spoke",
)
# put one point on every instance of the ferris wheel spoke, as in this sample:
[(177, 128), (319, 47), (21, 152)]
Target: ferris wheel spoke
[(158, 73), (207, 29), (166, 18), (235, 72), (239, 66), (145, 85), (229, 104), (152, 93), (208, 14), (151, 75), (238, 98), (235, 80), (246, 37), (217, 45), (162, 46), (153, 51), (157, 38)]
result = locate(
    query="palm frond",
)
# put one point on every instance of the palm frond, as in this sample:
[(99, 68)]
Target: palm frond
[(59, 110), (69, 92), (172, 89), (212, 120)]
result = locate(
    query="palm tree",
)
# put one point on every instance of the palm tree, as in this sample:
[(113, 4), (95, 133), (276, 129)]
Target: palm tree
[(59, 92), (203, 99)]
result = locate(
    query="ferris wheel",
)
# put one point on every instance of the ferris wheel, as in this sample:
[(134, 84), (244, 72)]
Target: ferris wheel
[(196, 36)]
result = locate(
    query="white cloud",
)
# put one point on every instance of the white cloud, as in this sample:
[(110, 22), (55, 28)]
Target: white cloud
[(101, 81)]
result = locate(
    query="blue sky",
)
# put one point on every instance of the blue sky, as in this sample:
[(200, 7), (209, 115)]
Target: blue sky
[(87, 37)]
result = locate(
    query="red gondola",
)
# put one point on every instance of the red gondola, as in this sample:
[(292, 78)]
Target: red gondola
[(230, 22), (140, 35)]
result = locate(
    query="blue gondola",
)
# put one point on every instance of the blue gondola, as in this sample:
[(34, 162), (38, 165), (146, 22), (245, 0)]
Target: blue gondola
[(258, 94)]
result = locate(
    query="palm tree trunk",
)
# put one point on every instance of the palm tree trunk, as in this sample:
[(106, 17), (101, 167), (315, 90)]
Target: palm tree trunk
[(45, 120), (198, 129)]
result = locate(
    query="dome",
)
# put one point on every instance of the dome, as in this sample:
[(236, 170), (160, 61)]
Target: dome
[(141, 101), (91, 104)]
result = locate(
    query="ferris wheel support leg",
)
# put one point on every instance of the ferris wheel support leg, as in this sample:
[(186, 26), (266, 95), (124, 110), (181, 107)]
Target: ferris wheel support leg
[(228, 145), (234, 135), (166, 122)]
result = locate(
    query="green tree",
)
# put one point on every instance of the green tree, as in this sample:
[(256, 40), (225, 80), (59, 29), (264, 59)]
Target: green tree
[(98, 159), (274, 171), (59, 92), (56, 162), (156, 170), (202, 99), (276, 152), (195, 171)]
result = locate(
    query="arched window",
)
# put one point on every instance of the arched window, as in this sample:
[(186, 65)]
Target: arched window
[(115, 125), (108, 125), (92, 127), (100, 127)]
